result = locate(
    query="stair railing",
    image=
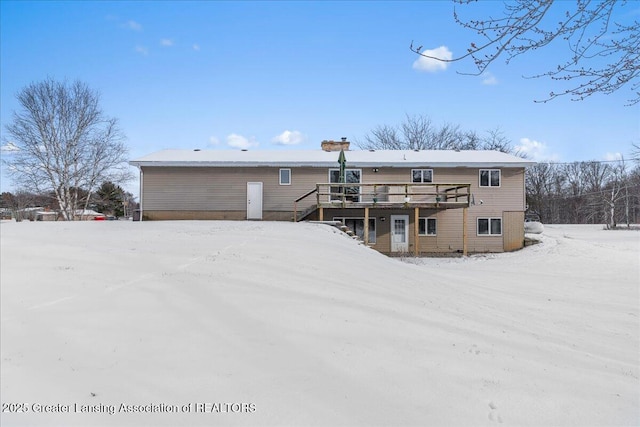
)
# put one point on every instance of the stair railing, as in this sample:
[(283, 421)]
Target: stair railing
[(295, 203)]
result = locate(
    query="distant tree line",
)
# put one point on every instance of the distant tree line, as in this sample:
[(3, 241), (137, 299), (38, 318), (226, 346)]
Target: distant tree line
[(585, 192), (109, 199)]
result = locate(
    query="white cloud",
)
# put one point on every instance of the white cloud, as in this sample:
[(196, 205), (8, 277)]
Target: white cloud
[(238, 141), (166, 42), (142, 50), (196, 47), (288, 138), (133, 25), (431, 65), (535, 150), (214, 141), (9, 147), (489, 79)]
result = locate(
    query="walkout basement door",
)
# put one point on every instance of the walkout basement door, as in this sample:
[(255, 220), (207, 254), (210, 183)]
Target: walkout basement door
[(399, 233)]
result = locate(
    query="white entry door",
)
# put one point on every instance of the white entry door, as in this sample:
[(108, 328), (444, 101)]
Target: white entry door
[(254, 200), (399, 233)]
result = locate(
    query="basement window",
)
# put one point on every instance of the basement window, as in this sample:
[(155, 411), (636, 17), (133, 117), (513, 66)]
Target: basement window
[(427, 226), (489, 226), (285, 176)]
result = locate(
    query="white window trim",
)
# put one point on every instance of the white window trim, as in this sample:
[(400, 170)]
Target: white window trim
[(422, 178), (375, 234), (280, 176), (489, 186), (426, 227), (489, 234)]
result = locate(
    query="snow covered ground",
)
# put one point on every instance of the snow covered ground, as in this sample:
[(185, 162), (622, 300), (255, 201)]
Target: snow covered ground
[(263, 323)]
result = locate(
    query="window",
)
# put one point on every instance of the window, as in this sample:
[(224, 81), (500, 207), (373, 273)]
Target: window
[(489, 226), (421, 175), (351, 176), (285, 176), (357, 226), (489, 177), (427, 226)]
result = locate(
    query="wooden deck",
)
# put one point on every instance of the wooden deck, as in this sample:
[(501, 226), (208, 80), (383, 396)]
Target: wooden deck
[(385, 196), (410, 196)]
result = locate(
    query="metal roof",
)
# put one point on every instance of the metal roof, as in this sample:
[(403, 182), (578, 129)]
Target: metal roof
[(327, 159)]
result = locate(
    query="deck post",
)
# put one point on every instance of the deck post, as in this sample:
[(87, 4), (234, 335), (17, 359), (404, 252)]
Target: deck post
[(416, 232), (464, 230), (320, 213), (366, 226)]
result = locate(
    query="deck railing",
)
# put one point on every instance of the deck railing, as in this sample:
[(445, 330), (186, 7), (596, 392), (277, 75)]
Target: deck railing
[(389, 195)]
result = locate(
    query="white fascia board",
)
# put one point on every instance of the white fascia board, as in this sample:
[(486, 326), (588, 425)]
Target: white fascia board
[(331, 164), (232, 164)]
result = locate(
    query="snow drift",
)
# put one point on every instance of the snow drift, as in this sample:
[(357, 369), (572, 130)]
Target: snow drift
[(266, 323)]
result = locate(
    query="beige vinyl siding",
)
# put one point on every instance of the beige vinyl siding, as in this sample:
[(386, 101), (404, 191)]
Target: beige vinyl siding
[(448, 236), (493, 202), (508, 197), (221, 189), (202, 188)]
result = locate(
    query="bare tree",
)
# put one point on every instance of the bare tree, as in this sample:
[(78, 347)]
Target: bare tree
[(62, 142), (603, 56), (617, 193), (417, 132), (635, 152), (496, 140), (538, 180), (574, 175), (382, 137), (450, 137), (596, 175)]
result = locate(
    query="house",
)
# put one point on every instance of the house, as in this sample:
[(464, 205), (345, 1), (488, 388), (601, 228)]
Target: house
[(46, 214), (397, 201)]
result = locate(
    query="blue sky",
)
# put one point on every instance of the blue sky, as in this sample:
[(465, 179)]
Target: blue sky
[(286, 75)]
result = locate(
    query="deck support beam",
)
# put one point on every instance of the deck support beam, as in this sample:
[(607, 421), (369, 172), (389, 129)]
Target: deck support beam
[(366, 226), (416, 232), (464, 230), (320, 213)]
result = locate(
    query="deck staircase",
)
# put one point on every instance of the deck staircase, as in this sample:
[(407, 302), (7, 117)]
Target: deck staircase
[(305, 213)]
